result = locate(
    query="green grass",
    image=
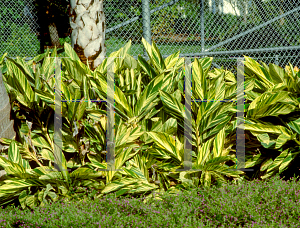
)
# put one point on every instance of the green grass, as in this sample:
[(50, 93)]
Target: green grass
[(114, 44), (269, 203)]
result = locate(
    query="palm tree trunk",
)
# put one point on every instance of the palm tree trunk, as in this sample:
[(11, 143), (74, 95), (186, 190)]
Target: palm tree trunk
[(87, 22), (6, 124), (54, 35)]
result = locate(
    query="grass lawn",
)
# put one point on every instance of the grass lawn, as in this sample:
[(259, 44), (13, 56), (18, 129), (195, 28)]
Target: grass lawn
[(114, 44), (270, 203)]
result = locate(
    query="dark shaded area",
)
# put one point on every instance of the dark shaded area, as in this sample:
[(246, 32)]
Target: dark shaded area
[(52, 11)]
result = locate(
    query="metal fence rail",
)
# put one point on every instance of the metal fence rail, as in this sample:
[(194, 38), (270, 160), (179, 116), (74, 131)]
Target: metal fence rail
[(262, 29)]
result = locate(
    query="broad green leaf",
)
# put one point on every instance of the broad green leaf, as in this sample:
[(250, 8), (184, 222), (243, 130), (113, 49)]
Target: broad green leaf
[(138, 187), (13, 168), (295, 125), (122, 191), (14, 154), (157, 59), (70, 52), (276, 73), (266, 164), (204, 152), (62, 165), (46, 154), (126, 49), (206, 64), (281, 140), (254, 161), (77, 70), (2, 58), (185, 181), (127, 135), (171, 60), (205, 178), (39, 141), (135, 172), (146, 67), (158, 153), (148, 97), (258, 70), (31, 201), (47, 70), (264, 138), (69, 144), (39, 171), (263, 128), (22, 198), (268, 175), (130, 62), (116, 185), (25, 69), (53, 175), (140, 167), (45, 96), (267, 105), (172, 105), (218, 123), (121, 102), (219, 143), (14, 185), (96, 163), (120, 159), (84, 173), (199, 78), (147, 46), (289, 158), (81, 109), (21, 82), (167, 143), (278, 160)]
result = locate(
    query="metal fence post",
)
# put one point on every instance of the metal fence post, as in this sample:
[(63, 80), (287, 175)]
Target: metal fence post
[(214, 6), (276, 59), (222, 5), (110, 132), (240, 129), (202, 26), (146, 22), (188, 130), (57, 138)]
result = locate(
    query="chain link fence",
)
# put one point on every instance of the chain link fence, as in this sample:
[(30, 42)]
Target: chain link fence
[(266, 30), (18, 28), (224, 29)]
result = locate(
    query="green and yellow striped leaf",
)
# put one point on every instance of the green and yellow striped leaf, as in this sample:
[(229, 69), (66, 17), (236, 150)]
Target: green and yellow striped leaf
[(288, 159), (278, 160)]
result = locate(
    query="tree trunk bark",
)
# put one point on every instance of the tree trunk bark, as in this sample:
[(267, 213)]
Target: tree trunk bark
[(87, 22), (54, 35)]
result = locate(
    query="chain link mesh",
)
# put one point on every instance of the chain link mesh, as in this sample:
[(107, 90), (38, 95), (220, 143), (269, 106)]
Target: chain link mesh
[(18, 28), (266, 30), (263, 30)]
